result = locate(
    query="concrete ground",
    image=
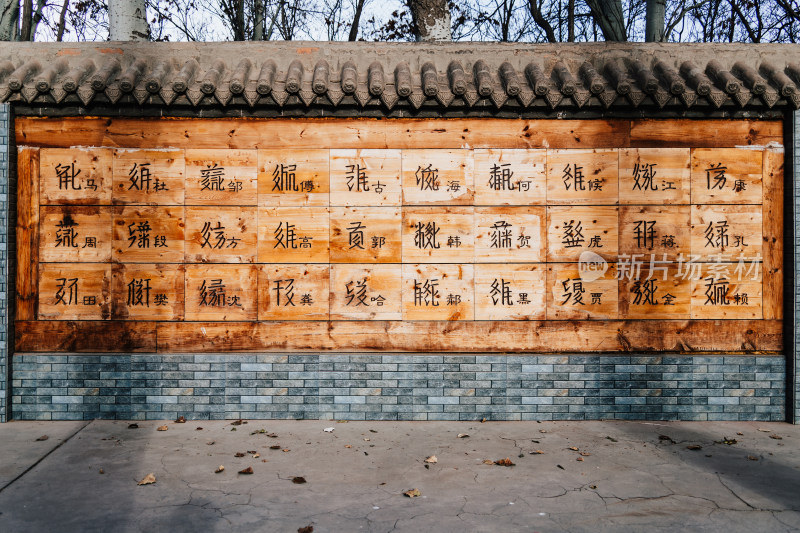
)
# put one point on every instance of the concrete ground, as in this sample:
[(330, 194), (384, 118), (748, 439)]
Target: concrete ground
[(568, 476)]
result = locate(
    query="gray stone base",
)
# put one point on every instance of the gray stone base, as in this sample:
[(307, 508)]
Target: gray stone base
[(398, 387)]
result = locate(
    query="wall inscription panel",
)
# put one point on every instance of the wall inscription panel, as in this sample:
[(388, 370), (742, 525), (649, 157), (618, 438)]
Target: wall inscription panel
[(503, 245)]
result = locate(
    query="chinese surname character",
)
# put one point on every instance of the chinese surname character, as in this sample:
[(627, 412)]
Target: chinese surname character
[(739, 186), (90, 242), (716, 291), (357, 178), (139, 292), (500, 234), (453, 186), (573, 234), (285, 236), (500, 177), (645, 292), (67, 291), (284, 178), (65, 234), (379, 300), (359, 295), (425, 235), (594, 242), (740, 299), (356, 235), (715, 177), (717, 235), (427, 178), (378, 241), (139, 234), (453, 299), (522, 298), (573, 290), (285, 287), (596, 298), (426, 294), (66, 176), (645, 233), (500, 292), (161, 299), (213, 177), (306, 299), (453, 241), (213, 294), (219, 235), (90, 300), (139, 176), (573, 177), (643, 177)]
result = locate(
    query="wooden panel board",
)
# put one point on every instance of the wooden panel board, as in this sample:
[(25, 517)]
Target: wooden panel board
[(74, 291), (438, 292), (148, 177), (221, 234), (366, 292), (727, 296), (664, 232), (221, 177), (365, 235), (437, 177), (438, 235), (293, 292), (726, 176), (578, 292), (75, 234), (144, 234), (510, 234), (147, 292), (27, 282), (76, 176), (654, 176), (572, 231), (582, 177), (221, 292), (597, 336), (662, 292), (84, 337), (293, 234), (711, 133), (730, 231), (291, 178), (510, 177), (773, 178), (510, 292), (365, 177)]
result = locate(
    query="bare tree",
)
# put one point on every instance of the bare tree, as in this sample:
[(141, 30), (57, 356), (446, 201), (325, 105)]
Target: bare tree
[(431, 20), (655, 21), (127, 20), (609, 16)]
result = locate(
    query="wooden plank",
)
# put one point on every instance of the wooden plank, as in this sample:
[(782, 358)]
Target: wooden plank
[(366, 235), (75, 234), (575, 292), (713, 133), (146, 234), (148, 177), (582, 177), (291, 178), (74, 291), (334, 133), (658, 293), (365, 177), (599, 336), (221, 234), (221, 292), (366, 292), (221, 177), (727, 295), (654, 176), (573, 231), (438, 177), (726, 176), (510, 177), (84, 337), (655, 231), (76, 176), (438, 292), (293, 234), (727, 232), (510, 292), (147, 292), (510, 234), (27, 282), (293, 292), (438, 235), (772, 250)]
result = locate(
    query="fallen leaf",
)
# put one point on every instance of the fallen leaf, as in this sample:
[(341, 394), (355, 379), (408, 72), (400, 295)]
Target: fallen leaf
[(372, 431), (561, 467), (585, 454), (432, 459), (211, 442), (237, 422), (348, 446), (776, 437), (462, 435), (43, 437), (666, 437), (275, 447), (593, 487), (579, 458), (162, 428), (149, 479), (752, 457), (612, 439), (739, 433), (573, 448), (273, 435), (233, 429), (341, 421), (366, 440), (726, 440), (248, 470), (133, 426), (251, 452), (504, 462), (198, 428), (694, 447), (536, 452), (488, 462), (483, 420), (412, 493), (102, 471), (298, 480), (256, 455), (219, 469), (764, 430), (286, 450), (542, 431), (258, 431), (308, 529), (180, 420), (239, 454)]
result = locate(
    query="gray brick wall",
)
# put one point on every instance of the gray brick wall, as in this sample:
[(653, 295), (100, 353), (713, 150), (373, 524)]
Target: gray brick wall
[(398, 387), (5, 229)]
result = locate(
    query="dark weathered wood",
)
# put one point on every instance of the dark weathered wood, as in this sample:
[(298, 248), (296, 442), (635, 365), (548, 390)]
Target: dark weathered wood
[(84, 336), (677, 336), (27, 232), (772, 275), (706, 133)]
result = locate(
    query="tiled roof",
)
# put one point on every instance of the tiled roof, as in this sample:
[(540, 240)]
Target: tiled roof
[(390, 76)]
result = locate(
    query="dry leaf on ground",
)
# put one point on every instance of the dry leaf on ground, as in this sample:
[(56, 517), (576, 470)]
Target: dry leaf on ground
[(412, 493), (579, 458), (162, 428), (239, 454), (133, 426), (536, 452), (504, 462), (764, 430), (328, 430), (149, 479), (752, 457), (432, 459), (286, 450), (348, 446), (43, 437), (275, 447), (694, 447), (298, 480), (463, 435), (248, 470), (776, 437), (308, 529), (180, 420), (219, 469), (573, 448)]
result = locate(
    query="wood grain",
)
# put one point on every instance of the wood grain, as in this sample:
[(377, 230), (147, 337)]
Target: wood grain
[(84, 336), (709, 133), (772, 251), (27, 233)]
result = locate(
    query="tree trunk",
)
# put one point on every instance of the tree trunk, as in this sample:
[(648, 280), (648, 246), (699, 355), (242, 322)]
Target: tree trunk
[(62, 21), (431, 20), (258, 24), (655, 20), (27, 19), (238, 29), (356, 20), (9, 19), (571, 21), (127, 20), (608, 15), (538, 17)]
